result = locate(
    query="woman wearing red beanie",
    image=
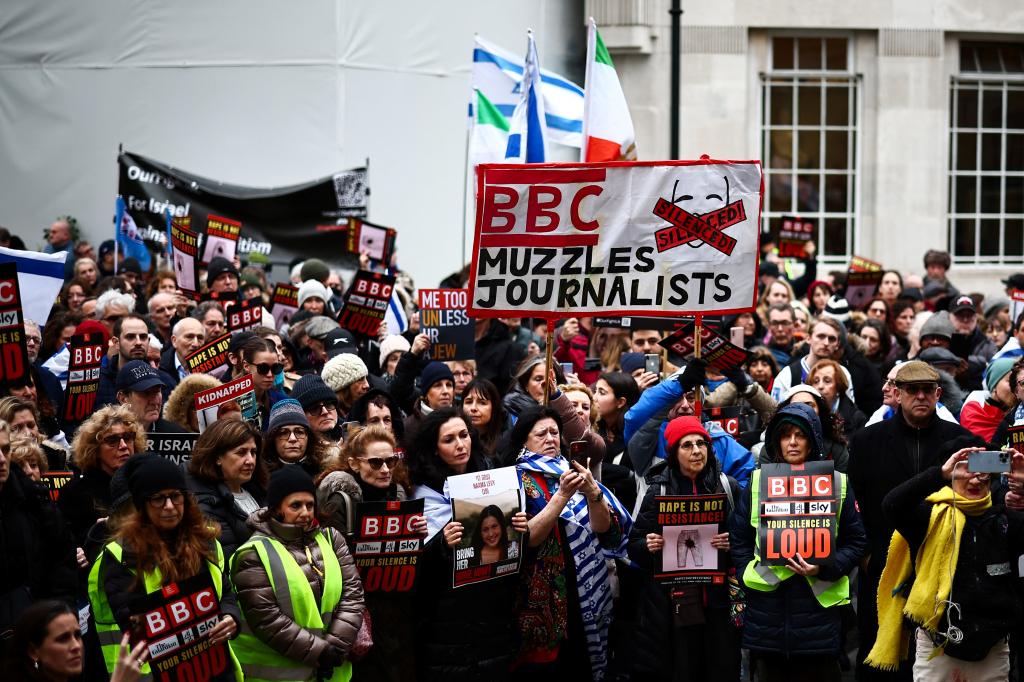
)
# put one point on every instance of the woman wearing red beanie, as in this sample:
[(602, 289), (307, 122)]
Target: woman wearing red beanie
[(684, 632)]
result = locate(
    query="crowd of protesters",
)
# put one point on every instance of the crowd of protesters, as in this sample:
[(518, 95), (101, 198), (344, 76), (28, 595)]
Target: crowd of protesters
[(895, 393)]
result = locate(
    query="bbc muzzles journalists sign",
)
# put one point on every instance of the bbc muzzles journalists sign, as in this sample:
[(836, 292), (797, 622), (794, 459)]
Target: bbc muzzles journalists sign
[(637, 238)]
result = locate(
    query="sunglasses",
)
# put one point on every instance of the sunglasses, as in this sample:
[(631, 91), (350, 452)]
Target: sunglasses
[(377, 462), (265, 368), (915, 388), (297, 433), (114, 439), (159, 500), (322, 406)]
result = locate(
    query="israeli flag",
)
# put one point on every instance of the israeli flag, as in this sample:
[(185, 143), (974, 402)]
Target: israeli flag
[(498, 73), (527, 138), (40, 278), (395, 318)]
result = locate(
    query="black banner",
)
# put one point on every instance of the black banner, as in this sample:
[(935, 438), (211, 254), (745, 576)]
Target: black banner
[(13, 350), (444, 319), (54, 481), (211, 356), (87, 352), (176, 447), (306, 220)]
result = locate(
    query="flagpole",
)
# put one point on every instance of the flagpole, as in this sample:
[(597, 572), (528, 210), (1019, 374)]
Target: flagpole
[(117, 233), (591, 48)]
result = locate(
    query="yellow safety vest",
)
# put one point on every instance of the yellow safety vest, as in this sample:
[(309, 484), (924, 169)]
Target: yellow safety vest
[(108, 632), (294, 595), (768, 578)]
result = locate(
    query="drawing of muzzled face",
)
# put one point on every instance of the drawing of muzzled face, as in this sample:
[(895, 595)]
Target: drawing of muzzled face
[(698, 205)]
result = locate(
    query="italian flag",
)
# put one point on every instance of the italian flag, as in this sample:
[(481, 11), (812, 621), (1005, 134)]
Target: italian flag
[(607, 128), (490, 132)]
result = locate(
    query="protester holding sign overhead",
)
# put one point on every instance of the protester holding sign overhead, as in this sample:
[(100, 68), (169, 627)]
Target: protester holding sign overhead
[(259, 358), (298, 588), (792, 624), (164, 540), (684, 632)]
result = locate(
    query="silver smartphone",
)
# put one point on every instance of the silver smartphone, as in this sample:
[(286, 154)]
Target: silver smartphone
[(989, 462), (652, 363)]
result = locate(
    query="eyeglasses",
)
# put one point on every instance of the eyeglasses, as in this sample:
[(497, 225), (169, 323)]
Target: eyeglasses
[(265, 368), (297, 433), (915, 388), (114, 439), (159, 500), (322, 406), (377, 462), (889, 383), (694, 445), (33, 339)]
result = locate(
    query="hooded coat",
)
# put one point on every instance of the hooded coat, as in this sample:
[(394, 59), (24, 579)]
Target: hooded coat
[(789, 620), (259, 604)]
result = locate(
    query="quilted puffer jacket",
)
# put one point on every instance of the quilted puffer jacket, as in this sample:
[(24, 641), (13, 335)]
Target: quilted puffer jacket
[(262, 613)]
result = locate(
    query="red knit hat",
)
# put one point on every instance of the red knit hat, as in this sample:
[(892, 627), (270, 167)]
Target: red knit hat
[(683, 426), (93, 327)]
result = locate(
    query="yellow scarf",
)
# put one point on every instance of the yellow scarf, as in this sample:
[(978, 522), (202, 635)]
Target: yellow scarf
[(931, 573)]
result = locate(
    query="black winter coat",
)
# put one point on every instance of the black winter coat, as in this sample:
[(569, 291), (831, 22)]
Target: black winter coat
[(35, 546), (653, 656), (985, 583), (789, 620), (218, 504), (464, 634), (888, 453), (497, 356), (84, 499)]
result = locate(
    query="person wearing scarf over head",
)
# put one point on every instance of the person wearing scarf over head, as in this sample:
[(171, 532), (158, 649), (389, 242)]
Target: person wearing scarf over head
[(952, 563), (564, 607), (465, 633), (792, 624)]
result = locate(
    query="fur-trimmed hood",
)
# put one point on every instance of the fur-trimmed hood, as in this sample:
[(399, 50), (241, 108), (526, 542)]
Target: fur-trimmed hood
[(183, 397)]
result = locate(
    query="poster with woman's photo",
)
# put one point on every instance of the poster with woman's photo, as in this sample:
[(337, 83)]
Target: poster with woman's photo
[(688, 523), (484, 503)]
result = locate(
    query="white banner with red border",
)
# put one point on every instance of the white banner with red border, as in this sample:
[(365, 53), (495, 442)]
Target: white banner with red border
[(638, 238)]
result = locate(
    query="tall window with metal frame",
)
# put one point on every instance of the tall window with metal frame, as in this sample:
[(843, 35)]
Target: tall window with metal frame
[(809, 119), (986, 155)]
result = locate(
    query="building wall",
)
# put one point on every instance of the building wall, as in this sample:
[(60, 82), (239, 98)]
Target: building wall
[(905, 55)]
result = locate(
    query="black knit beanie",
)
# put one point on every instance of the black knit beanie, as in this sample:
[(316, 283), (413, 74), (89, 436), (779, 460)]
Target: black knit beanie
[(149, 474), (287, 480)]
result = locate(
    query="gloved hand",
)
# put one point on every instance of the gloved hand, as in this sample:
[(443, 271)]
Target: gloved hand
[(330, 658), (693, 375), (738, 377)]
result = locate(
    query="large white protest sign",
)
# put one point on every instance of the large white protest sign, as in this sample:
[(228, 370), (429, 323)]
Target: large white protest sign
[(643, 238)]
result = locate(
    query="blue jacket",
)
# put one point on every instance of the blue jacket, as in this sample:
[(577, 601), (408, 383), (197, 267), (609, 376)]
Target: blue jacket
[(734, 459)]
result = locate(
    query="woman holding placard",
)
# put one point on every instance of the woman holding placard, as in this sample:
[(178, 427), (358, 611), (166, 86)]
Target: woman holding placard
[(164, 540), (463, 633), (565, 601), (684, 632), (792, 624)]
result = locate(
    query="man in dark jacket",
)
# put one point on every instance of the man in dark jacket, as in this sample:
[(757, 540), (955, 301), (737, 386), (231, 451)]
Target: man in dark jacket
[(140, 387), (969, 343), (130, 340), (496, 354), (38, 556), (883, 456)]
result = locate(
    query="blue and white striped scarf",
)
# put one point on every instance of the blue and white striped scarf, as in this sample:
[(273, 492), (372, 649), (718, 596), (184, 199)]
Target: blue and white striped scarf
[(592, 579), (437, 507)]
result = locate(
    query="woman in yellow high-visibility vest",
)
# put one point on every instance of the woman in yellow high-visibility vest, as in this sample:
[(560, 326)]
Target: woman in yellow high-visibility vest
[(298, 589), (164, 540), (792, 626)]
